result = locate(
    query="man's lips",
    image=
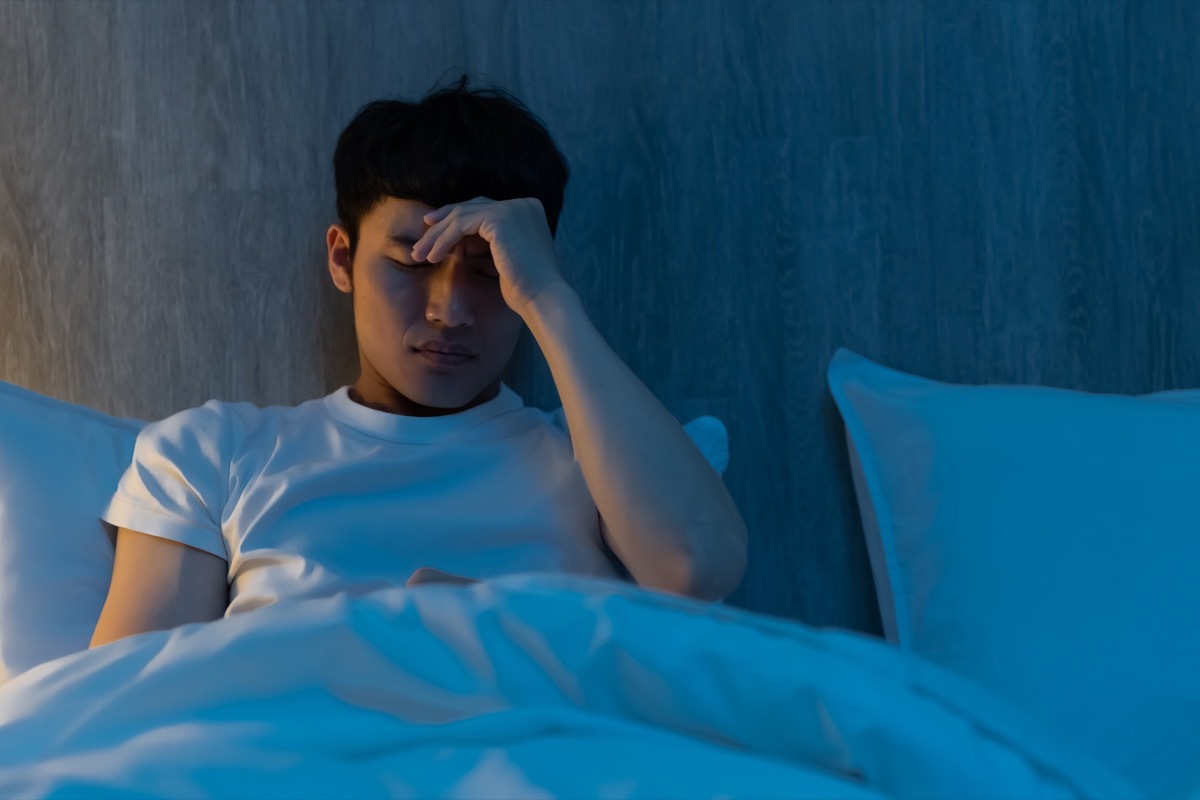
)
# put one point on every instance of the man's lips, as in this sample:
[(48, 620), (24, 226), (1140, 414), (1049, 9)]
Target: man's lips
[(444, 359), (445, 347)]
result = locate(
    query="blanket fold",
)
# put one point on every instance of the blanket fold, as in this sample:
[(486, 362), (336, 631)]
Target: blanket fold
[(530, 685)]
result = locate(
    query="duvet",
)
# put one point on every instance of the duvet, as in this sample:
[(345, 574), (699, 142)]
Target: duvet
[(534, 685)]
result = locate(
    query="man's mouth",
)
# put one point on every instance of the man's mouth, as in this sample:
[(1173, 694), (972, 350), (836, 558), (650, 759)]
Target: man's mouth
[(438, 346), (444, 359)]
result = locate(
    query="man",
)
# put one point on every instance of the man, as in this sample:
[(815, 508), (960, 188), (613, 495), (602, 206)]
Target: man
[(428, 467)]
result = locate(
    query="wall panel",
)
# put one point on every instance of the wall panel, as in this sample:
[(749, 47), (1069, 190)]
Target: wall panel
[(977, 192)]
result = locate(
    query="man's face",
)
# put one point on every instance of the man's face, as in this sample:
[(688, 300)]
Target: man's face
[(400, 305)]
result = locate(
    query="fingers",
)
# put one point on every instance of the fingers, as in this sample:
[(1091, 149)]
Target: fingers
[(443, 234), (431, 575), (448, 225), (423, 247), (437, 214), (423, 575)]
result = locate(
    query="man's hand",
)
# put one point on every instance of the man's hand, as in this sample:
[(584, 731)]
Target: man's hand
[(431, 575), (519, 236)]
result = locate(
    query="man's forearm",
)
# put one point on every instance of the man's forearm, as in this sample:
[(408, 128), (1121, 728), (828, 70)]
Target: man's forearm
[(670, 518)]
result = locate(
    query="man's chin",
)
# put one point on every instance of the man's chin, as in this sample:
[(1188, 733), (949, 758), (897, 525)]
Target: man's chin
[(442, 395)]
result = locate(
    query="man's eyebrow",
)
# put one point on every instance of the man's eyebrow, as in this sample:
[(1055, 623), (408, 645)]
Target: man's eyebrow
[(405, 241)]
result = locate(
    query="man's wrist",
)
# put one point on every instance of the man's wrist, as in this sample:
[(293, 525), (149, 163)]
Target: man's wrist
[(549, 303)]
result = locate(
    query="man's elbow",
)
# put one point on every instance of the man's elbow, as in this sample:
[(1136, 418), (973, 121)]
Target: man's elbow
[(719, 580), (714, 575)]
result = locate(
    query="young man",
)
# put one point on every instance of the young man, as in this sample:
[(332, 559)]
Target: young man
[(428, 467)]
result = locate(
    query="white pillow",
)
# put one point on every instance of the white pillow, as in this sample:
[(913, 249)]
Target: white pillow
[(59, 466), (1046, 543)]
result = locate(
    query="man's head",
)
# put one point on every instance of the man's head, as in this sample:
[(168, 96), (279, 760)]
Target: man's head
[(395, 162)]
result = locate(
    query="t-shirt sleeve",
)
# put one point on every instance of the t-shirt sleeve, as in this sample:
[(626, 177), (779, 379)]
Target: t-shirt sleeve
[(177, 484)]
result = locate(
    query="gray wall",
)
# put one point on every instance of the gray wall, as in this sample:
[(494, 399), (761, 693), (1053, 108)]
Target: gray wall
[(976, 192)]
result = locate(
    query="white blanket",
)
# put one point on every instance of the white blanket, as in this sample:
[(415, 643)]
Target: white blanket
[(536, 685)]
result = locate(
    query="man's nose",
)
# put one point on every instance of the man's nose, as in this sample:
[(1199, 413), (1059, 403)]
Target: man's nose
[(449, 300)]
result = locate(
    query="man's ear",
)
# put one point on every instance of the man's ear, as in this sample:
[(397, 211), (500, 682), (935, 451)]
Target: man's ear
[(338, 243)]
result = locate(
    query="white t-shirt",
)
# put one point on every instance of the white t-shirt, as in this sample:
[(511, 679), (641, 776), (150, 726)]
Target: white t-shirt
[(332, 496)]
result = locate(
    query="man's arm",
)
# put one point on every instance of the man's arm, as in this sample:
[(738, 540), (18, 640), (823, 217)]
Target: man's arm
[(158, 584), (665, 511)]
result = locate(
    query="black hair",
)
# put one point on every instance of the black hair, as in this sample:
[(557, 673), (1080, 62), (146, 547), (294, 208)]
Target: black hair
[(455, 144)]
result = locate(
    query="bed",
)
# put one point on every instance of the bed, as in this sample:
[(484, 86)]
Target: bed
[(1033, 551)]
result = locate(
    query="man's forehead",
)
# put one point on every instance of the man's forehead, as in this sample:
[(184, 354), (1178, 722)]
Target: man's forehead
[(403, 223), (402, 212)]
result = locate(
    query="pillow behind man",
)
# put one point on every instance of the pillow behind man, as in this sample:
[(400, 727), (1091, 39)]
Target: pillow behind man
[(1045, 543), (59, 466)]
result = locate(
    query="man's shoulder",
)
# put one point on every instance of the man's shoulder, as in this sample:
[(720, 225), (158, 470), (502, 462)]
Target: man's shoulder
[(229, 419)]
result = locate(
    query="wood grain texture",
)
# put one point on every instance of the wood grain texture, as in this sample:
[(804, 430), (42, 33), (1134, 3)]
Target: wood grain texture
[(975, 192)]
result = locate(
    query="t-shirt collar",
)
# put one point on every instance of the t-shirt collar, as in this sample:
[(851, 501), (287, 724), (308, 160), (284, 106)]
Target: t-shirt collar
[(417, 430)]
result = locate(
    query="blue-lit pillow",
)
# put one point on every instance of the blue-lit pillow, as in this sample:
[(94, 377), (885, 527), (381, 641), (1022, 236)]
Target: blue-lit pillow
[(1045, 543), (59, 465)]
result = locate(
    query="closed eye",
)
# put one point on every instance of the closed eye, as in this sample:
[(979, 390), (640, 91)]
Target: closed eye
[(426, 265), (410, 267)]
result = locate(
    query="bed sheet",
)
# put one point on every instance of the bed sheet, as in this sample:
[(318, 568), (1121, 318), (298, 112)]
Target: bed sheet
[(532, 685)]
